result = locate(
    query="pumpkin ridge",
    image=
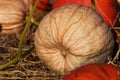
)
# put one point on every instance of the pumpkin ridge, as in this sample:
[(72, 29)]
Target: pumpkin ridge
[(103, 72), (13, 26), (51, 25), (66, 29), (58, 37), (88, 34), (42, 39), (14, 23)]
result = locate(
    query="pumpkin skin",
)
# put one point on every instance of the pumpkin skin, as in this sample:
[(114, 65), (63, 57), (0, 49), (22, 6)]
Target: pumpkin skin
[(94, 72), (12, 15), (42, 4), (106, 8), (28, 3), (71, 36), (118, 1)]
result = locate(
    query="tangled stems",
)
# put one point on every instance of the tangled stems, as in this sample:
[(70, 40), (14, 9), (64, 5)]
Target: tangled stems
[(19, 56)]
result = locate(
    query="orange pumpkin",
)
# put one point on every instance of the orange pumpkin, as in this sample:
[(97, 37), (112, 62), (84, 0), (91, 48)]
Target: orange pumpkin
[(42, 4), (94, 72), (73, 35)]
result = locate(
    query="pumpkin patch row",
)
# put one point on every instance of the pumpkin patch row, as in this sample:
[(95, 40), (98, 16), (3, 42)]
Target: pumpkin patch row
[(70, 36)]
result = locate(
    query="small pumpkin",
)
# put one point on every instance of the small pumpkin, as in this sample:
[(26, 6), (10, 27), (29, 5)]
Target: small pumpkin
[(94, 72), (12, 15), (71, 36), (106, 8)]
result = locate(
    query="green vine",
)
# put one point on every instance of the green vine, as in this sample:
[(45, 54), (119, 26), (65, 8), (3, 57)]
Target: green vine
[(28, 23)]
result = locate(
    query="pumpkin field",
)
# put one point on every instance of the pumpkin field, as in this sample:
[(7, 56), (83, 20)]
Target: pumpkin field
[(59, 39)]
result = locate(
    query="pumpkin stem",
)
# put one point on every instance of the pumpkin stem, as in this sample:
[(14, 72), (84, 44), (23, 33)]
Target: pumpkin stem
[(93, 4), (64, 53)]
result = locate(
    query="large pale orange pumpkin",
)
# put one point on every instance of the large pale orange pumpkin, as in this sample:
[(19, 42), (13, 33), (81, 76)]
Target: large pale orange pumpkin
[(71, 36)]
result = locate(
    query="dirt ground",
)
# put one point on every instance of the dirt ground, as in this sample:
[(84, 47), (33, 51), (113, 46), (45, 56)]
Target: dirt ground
[(30, 67)]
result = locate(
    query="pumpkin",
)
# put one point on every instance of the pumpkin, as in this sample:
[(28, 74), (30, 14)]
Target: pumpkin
[(42, 4), (118, 1), (94, 72), (12, 15), (106, 8), (71, 36), (28, 3)]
